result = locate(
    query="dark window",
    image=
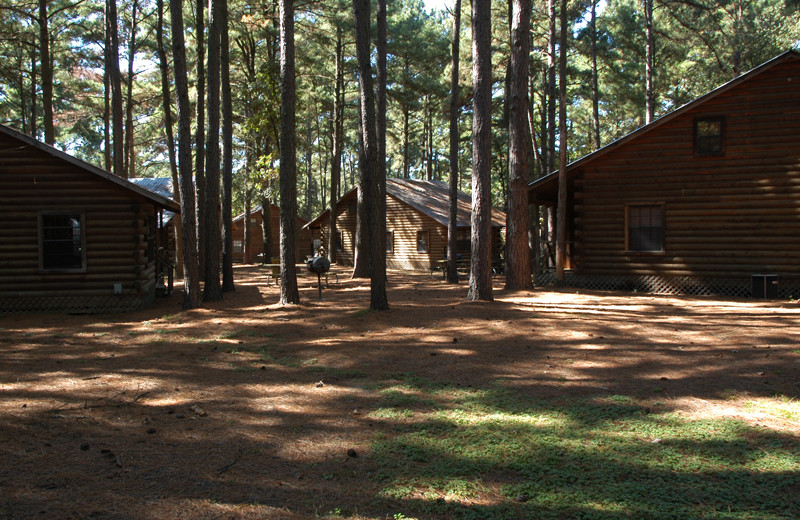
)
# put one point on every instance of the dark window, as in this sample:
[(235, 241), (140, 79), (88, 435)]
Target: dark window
[(708, 136), (422, 241), (339, 241), (61, 241), (645, 228), (463, 240), (389, 241)]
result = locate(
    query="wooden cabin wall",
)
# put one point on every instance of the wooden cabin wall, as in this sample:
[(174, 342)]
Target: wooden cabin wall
[(729, 216), (115, 234), (256, 238), (405, 221)]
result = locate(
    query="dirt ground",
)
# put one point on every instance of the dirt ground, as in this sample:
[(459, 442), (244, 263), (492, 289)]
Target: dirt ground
[(242, 408)]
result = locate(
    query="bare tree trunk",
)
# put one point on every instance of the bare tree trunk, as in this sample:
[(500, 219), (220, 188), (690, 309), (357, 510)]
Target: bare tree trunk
[(379, 266), (288, 161), (452, 223), (47, 74), (551, 89), (129, 163), (167, 108), (266, 229), (227, 158), (595, 87), (406, 143), (480, 276), (368, 212), (212, 290), (517, 258), (200, 136), (561, 224), (336, 161), (117, 132), (248, 208), (107, 96), (649, 60), (191, 284), (34, 123)]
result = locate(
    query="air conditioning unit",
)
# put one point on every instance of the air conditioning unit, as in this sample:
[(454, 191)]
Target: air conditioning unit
[(765, 286)]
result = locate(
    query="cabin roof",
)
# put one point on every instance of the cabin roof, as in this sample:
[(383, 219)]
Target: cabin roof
[(549, 182), (158, 200), (160, 186), (431, 198)]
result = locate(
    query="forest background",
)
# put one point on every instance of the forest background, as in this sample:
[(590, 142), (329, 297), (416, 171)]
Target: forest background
[(698, 46)]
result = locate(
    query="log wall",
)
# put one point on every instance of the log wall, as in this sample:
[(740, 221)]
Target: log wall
[(304, 244), (115, 230), (727, 216)]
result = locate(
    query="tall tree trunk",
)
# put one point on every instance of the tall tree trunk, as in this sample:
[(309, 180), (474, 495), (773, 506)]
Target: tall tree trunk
[(107, 95), (200, 135), (47, 74), (34, 122), (212, 290), (379, 266), (266, 229), (248, 208), (336, 161), (406, 143), (309, 170), (368, 212), (167, 108), (561, 219), (517, 258), (595, 87), (227, 158), (288, 159), (480, 275), (649, 60), (191, 279), (117, 129), (551, 88), (129, 163), (452, 223)]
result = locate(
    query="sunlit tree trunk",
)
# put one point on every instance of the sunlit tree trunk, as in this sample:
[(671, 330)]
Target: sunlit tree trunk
[(47, 74), (452, 223), (117, 130), (480, 277), (517, 258), (288, 160)]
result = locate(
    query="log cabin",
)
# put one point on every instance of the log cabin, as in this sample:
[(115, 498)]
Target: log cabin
[(167, 222), (255, 240), (75, 238), (704, 200), (417, 213)]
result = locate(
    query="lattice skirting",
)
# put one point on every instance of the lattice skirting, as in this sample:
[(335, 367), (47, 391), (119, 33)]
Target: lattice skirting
[(74, 304), (734, 287)]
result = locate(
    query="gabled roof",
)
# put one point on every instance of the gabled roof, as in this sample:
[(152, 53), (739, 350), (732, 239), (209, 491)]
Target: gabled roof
[(155, 198), (748, 76), (431, 198), (273, 207)]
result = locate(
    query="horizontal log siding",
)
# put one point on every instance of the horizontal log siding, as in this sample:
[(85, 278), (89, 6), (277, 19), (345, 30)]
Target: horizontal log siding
[(405, 221), (115, 235), (725, 217)]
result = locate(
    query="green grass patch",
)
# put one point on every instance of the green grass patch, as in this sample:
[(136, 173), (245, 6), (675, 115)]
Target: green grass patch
[(492, 453)]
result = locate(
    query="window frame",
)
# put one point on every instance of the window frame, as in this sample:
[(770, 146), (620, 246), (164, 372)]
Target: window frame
[(424, 233), (709, 119), (662, 207), (41, 215)]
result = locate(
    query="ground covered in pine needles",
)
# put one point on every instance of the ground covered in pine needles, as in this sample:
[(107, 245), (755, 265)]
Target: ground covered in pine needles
[(541, 404)]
